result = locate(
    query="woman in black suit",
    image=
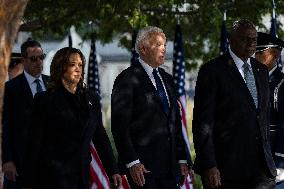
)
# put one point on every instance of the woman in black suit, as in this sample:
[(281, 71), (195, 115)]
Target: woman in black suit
[(67, 118)]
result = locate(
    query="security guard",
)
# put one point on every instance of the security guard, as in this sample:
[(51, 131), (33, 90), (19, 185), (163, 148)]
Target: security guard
[(268, 52), (16, 66)]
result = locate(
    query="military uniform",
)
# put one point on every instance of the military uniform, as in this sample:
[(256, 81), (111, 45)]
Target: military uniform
[(276, 85)]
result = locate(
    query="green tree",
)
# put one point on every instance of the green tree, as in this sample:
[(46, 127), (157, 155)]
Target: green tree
[(200, 19)]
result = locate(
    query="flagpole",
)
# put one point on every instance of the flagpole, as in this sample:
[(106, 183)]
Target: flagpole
[(273, 9), (273, 29), (224, 35), (70, 39)]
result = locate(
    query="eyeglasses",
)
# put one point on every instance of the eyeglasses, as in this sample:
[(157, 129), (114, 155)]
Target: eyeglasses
[(35, 58)]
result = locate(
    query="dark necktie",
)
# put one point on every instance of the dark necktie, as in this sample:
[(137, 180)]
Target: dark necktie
[(38, 86), (249, 78), (161, 91)]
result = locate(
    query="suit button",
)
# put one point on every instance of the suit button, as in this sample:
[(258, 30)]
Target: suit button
[(169, 138), (256, 138)]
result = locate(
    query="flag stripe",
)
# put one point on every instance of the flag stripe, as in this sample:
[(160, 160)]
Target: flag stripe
[(97, 159), (94, 180), (179, 80), (183, 116), (98, 168), (125, 184)]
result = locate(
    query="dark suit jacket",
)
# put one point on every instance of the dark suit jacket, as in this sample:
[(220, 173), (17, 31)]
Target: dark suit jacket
[(17, 116), (63, 128), (140, 127), (229, 132)]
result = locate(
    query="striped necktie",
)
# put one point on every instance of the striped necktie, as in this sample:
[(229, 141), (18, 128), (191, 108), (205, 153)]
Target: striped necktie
[(250, 81)]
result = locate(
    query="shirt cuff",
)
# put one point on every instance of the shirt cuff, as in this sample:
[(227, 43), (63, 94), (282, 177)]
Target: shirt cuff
[(280, 175), (182, 161), (132, 163)]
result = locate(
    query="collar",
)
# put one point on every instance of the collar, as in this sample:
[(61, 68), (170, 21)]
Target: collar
[(147, 68), (31, 79), (239, 62)]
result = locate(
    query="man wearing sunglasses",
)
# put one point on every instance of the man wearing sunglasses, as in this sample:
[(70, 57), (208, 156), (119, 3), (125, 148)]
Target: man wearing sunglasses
[(17, 113), (268, 52)]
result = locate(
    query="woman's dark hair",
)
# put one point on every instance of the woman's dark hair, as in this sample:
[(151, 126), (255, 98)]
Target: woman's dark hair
[(59, 66)]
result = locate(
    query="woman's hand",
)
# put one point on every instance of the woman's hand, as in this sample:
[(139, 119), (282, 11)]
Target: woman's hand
[(116, 180)]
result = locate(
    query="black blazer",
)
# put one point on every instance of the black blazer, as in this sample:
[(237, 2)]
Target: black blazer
[(140, 127), (63, 128), (16, 120), (229, 132)]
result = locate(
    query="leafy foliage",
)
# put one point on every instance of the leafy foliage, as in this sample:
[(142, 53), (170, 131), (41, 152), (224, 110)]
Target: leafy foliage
[(200, 19)]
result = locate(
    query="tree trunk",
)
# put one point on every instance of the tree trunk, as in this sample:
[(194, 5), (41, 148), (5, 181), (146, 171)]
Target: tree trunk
[(11, 13)]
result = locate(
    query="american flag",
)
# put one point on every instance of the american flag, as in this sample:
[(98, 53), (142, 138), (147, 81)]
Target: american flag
[(98, 176), (134, 54), (179, 79), (93, 71), (224, 37)]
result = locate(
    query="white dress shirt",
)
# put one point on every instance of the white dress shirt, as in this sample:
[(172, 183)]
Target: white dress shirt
[(32, 83), (149, 71), (239, 63)]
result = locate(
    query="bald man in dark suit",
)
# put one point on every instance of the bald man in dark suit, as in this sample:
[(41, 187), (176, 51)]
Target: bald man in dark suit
[(231, 117)]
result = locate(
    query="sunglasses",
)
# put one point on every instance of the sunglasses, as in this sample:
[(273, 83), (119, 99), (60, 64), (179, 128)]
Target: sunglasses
[(35, 58)]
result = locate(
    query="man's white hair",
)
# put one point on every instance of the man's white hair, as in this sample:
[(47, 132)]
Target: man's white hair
[(143, 34)]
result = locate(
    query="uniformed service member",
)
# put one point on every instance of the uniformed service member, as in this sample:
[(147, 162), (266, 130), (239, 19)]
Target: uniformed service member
[(268, 52)]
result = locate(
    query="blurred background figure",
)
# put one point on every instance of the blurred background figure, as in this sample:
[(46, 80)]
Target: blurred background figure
[(16, 66), (268, 52)]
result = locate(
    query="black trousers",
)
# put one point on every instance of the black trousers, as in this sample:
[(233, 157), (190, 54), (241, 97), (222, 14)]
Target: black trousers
[(154, 183), (260, 181)]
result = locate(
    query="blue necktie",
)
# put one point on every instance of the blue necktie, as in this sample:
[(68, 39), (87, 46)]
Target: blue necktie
[(38, 86), (161, 91), (249, 78)]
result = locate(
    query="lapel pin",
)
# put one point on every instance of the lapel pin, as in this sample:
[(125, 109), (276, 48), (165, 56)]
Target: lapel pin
[(90, 103)]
